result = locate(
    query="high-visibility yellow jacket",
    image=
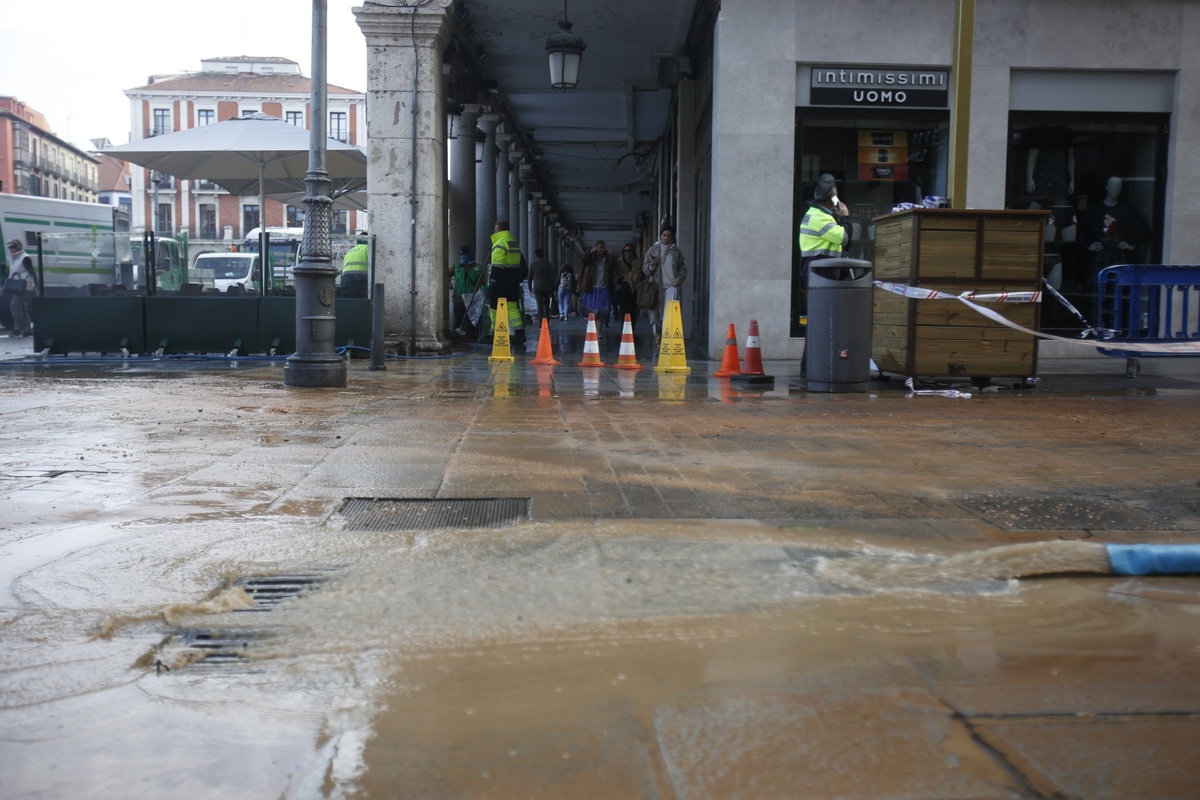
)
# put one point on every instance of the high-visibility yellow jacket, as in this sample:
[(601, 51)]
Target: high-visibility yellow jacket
[(505, 250), (821, 234), (356, 259)]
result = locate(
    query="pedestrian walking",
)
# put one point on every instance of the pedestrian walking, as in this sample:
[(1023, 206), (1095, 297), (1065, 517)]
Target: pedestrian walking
[(19, 286), (541, 283), (625, 272), (595, 282), (664, 265), (566, 291)]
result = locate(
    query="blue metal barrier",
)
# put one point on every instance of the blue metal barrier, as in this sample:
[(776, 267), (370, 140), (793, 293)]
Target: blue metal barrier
[(1147, 303)]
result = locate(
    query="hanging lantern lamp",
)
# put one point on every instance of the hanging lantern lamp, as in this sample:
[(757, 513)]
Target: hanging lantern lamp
[(566, 52)]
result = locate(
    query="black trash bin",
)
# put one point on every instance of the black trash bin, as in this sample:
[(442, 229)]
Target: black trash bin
[(838, 343)]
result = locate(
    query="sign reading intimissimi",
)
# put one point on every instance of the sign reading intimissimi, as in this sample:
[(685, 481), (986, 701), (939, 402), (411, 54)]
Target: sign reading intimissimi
[(874, 87)]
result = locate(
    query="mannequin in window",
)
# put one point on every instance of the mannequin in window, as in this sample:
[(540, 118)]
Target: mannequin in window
[(1113, 230), (1050, 164)]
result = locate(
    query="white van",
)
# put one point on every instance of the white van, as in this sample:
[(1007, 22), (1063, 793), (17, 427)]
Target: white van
[(224, 271)]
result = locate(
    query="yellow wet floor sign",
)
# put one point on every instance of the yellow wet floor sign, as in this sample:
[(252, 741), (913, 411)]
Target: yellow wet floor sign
[(501, 349), (671, 355)]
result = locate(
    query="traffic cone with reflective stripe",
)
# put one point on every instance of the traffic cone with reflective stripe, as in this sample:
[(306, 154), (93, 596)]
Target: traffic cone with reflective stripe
[(627, 358), (752, 367), (730, 364), (545, 355), (591, 345)]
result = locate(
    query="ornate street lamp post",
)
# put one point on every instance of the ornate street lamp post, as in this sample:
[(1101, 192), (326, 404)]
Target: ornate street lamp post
[(315, 364)]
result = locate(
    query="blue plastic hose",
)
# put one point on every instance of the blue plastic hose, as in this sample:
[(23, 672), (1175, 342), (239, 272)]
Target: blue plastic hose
[(1154, 559)]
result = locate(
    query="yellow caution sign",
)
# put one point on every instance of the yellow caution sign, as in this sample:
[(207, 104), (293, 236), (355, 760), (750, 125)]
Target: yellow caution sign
[(501, 349), (671, 355)]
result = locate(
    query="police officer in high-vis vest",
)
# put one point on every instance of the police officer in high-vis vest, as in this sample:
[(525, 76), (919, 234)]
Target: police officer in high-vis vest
[(506, 270), (825, 229), (354, 271), (824, 233)]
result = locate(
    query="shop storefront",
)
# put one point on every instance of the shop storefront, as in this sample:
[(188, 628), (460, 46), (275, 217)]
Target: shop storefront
[(1098, 161), (882, 132), (1053, 118)]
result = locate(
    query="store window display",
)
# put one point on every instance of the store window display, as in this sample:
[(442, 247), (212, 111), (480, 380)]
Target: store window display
[(1100, 174), (1113, 230)]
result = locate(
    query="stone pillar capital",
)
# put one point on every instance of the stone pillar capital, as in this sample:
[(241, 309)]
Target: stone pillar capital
[(470, 116), (487, 122), (383, 26)]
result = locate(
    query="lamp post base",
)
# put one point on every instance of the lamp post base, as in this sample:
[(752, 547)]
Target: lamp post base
[(315, 372)]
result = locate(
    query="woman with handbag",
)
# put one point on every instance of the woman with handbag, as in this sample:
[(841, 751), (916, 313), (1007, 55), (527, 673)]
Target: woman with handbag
[(664, 267), (20, 286)]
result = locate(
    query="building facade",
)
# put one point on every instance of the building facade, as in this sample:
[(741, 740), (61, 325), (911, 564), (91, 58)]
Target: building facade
[(33, 161), (1087, 108), (225, 88), (1061, 98)]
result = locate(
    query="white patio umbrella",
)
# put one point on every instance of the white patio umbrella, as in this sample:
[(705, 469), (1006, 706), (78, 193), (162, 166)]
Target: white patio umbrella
[(350, 199), (255, 151)]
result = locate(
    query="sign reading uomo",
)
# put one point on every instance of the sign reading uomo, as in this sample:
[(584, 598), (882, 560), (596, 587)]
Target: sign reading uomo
[(879, 88)]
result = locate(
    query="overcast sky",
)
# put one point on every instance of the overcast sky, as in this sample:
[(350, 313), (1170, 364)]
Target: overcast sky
[(73, 59)]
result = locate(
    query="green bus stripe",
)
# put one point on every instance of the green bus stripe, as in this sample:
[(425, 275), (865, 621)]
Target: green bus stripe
[(85, 225)]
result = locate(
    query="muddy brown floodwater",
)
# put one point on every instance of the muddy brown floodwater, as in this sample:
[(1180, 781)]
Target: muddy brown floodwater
[(707, 594), (620, 659)]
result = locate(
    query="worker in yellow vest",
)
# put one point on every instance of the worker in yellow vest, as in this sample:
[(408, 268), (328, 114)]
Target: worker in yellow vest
[(354, 271), (825, 232), (506, 270)]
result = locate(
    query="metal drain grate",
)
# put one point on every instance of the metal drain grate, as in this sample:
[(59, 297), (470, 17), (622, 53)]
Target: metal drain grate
[(269, 591), (228, 647), (373, 514), (219, 647)]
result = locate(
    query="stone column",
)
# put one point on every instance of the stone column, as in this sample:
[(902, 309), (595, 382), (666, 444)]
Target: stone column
[(503, 140), (406, 168), (532, 221), (462, 183), (516, 215), (485, 188)]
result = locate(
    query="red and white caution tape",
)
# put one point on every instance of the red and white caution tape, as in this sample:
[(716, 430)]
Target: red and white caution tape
[(912, 389), (918, 293), (972, 300)]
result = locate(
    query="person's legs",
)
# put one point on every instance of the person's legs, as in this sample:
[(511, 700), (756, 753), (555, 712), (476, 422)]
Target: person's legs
[(516, 322), (20, 324)]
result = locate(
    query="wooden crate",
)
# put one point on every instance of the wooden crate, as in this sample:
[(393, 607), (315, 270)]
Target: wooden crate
[(957, 251)]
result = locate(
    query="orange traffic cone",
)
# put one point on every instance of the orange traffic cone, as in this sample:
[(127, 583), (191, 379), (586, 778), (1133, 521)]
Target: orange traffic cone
[(730, 364), (544, 354), (752, 368), (627, 358), (591, 345)]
